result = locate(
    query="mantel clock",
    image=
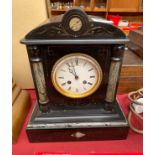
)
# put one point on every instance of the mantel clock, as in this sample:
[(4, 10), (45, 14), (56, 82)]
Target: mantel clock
[(75, 61)]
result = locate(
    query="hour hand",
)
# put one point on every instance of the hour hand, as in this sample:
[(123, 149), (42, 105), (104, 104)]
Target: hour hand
[(73, 72)]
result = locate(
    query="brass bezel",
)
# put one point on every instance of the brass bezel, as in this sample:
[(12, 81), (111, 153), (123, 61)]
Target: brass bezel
[(74, 95)]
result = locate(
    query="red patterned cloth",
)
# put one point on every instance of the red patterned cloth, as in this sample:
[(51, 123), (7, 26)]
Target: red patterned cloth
[(133, 144)]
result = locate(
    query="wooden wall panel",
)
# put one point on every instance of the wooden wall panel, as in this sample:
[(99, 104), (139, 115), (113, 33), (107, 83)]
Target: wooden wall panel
[(124, 5)]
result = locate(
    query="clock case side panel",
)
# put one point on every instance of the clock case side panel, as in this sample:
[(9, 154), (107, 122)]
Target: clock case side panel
[(53, 53)]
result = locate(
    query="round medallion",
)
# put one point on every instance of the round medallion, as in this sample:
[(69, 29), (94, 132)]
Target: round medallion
[(75, 22), (76, 75)]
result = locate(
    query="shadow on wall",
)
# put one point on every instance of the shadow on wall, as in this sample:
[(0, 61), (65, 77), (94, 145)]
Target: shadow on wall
[(27, 15)]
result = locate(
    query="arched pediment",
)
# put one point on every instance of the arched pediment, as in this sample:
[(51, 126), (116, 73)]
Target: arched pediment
[(94, 28)]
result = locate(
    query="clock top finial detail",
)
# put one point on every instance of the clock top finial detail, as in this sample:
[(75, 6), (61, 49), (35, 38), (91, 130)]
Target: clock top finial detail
[(75, 25)]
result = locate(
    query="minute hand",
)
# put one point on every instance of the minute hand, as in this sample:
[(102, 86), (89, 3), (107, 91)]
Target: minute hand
[(76, 77)]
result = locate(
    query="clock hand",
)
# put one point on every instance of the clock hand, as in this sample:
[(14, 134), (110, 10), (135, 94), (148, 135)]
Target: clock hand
[(71, 71), (76, 76)]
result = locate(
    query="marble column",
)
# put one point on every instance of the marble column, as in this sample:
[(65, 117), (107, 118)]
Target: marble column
[(114, 71), (38, 77)]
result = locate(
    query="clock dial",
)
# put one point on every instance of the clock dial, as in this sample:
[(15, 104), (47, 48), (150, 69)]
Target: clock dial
[(75, 24), (76, 75)]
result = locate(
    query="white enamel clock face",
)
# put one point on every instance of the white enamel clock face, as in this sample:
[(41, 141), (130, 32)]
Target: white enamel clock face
[(75, 24), (76, 75)]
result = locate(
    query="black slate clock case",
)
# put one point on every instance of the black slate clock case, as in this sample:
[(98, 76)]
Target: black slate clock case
[(59, 118)]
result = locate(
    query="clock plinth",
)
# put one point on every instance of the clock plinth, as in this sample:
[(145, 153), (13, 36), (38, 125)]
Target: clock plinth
[(84, 124), (75, 63)]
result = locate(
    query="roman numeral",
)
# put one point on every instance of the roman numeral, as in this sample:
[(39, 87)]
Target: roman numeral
[(89, 83), (84, 88), (69, 88), (63, 83), (61, 77), (68, 64), (76, 61), (92, 76), (77, 90), (90, 69), (84, 64)]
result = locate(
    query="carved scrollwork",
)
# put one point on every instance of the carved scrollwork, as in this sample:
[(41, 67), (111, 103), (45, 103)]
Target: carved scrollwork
[(47, 31), (105, 31), (57, 31), (98, 30), (53, 30)]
